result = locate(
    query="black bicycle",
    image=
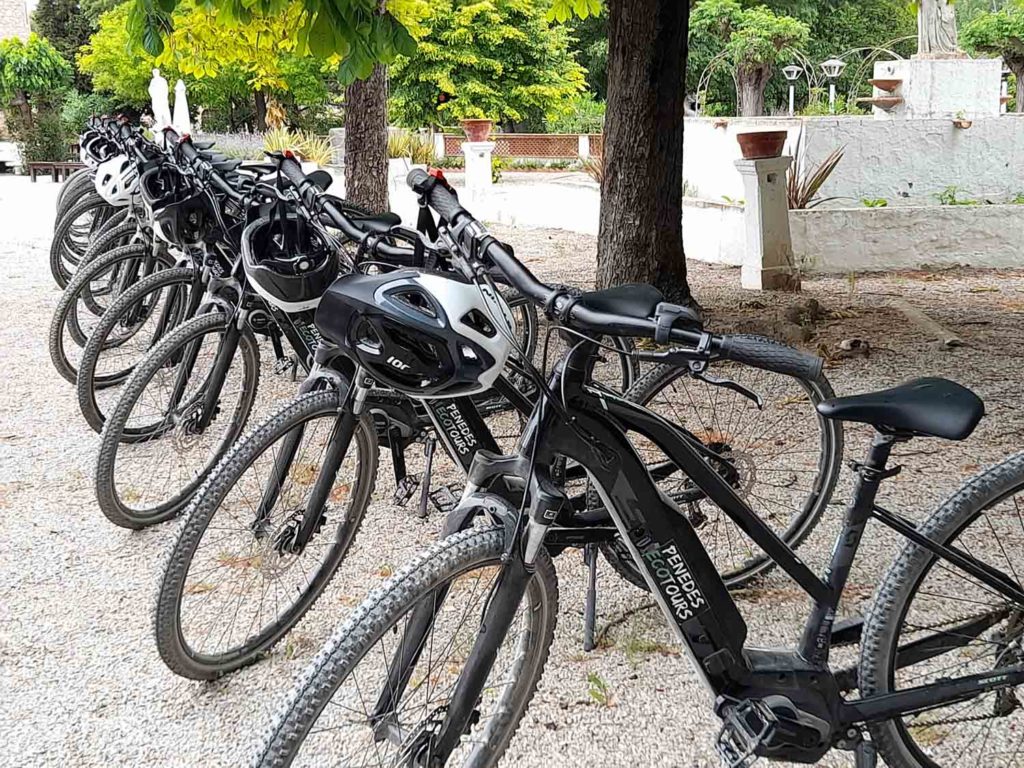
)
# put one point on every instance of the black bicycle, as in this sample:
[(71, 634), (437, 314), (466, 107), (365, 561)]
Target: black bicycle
[(272, 524), (438, 665)]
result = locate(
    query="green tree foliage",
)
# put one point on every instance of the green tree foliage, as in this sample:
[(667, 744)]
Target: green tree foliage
[(754, 40), (65, 26), (32, 74), (999, 34), (589, 46), (222, 65), (356, 31), (500, 60)]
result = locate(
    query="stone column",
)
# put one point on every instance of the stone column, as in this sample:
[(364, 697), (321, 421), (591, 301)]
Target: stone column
[(439, 152), (478, 167), (583, 146), (768, 256)]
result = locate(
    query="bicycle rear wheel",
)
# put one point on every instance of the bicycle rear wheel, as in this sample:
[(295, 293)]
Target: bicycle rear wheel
[(327, 718), (969, 628), (140, 317), (102, 280), (154, 450), (232, 588), (782, 457), (74, 230)]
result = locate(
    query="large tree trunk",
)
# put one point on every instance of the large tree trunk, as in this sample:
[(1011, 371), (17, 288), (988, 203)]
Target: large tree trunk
[(366, 141), (641, 233), (261, 110), (750, 85)]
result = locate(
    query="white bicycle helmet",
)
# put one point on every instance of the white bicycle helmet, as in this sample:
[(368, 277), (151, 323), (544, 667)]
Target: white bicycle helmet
[(427, 335), (117, 180)]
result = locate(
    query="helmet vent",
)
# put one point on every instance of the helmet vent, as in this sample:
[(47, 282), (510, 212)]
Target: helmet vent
[(416, 300), (479, 322)]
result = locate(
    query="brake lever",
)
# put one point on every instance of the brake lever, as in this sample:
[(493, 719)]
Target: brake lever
[(715, 381)]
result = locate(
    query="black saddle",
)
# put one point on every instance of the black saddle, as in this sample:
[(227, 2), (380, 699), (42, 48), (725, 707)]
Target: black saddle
[(640, 301), (931, 407), (379, 224)]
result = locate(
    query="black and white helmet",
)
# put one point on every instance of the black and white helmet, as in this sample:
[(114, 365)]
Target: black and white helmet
[(287, 261), (425, 334)]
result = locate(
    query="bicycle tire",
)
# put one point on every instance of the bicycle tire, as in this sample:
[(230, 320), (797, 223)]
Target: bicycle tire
[(896, 594), (87, 382), (65, 314), (657, 380), (172, 644), (382, 610), (80, 183), (63, 259), (116, 433)]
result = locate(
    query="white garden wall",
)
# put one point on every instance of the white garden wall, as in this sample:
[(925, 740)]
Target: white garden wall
[(906, 162)]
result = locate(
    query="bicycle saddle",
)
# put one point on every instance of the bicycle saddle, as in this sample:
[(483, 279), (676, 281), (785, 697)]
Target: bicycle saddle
[(931, 407), (378, 224), (632, 300)]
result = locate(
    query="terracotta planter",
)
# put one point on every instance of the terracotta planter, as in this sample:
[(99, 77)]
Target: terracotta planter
[(477, 130), (756, 145), (963, 123)]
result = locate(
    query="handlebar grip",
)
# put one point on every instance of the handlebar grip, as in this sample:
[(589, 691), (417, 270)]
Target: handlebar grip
[(442, 199), (769, 355), (292, 171)]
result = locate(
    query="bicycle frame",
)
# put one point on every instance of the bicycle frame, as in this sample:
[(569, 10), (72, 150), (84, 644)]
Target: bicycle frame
[(685, 582)]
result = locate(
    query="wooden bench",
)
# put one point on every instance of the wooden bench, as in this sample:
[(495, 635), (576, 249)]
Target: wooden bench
[(34, 169), (57, 171)]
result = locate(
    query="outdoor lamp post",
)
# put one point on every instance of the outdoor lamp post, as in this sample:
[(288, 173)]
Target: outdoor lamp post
[(792, 73), (832, 68)]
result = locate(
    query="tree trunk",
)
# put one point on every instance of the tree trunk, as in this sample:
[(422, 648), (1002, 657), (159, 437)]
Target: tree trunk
[(1017, 68), (640, 238), (366, 141), (750, 85), (24, 106), (261, 110)]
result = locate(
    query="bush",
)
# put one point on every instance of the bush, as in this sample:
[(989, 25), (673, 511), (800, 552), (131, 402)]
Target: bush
[(43, 141), (585, 115), (79, 107)]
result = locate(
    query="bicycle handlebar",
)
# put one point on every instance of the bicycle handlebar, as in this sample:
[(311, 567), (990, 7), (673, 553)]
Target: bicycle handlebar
[(755, 351)]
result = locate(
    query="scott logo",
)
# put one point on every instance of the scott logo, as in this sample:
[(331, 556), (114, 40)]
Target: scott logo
[(396, 363)]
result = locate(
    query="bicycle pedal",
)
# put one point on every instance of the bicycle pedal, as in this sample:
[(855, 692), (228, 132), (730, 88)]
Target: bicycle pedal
[(443, 499), (405, 490), (284, 365), (746, 725)]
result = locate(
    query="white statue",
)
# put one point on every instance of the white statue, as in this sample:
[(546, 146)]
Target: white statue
[(182, 122), (159, 94), (936, 28)]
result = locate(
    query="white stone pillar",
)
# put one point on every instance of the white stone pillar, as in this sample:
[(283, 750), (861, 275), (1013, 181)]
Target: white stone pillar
[(584, 146), (439, 145), (768, 256), (478, 167)]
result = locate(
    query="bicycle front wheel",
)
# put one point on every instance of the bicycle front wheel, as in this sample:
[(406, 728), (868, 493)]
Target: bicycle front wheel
[(932, 620), (164, 436), (232, 585), (351, 709)]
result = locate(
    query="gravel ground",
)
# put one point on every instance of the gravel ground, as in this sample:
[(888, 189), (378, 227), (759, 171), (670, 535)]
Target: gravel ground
[(82, 683)]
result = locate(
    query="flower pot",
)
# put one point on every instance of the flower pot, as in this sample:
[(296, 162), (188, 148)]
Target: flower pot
[(756, 145), (963, 123), (477, 130)]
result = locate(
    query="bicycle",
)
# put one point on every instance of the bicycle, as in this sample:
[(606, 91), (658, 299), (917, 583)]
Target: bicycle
[(282, 508), (484, 598)]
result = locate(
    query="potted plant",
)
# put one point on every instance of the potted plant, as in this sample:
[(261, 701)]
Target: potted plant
[(961, 121), (476, 126), (756, 145)]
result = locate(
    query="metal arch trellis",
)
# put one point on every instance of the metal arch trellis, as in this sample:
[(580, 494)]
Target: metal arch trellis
[(815, 79)]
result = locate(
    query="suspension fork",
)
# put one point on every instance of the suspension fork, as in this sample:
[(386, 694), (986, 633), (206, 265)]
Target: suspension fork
[(337, 448), (215, 382), (517, 569)]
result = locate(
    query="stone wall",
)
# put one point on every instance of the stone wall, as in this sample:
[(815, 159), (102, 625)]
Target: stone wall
[(13, 19)]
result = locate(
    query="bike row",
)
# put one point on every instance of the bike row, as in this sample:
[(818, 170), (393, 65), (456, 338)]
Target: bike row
[(183, 270)]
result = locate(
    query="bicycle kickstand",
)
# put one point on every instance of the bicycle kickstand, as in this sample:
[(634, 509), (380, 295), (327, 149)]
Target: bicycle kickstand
[(428, 452), (864, 755), (590, 607)]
